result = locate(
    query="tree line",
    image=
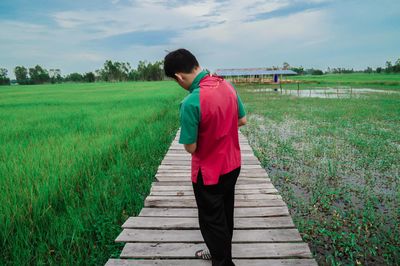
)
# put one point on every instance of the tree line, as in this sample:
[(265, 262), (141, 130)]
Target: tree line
[(146, 71), (110, 72), (390, 68)]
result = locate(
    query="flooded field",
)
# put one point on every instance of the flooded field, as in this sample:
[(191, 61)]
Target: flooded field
[(336, 164), (324, 92)]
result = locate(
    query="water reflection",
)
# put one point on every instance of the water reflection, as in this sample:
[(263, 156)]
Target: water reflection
[(323, 92)]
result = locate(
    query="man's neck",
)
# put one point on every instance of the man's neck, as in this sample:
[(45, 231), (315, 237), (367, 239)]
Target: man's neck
[(195, 73)]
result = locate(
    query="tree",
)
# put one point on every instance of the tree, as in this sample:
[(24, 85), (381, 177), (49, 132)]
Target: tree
[(396, 67), (133, 75), (313, 71), (21, 75), (388, 67), (4, 80), (368, 70), (378, 70), (149, 71), (39, 75), (114, 71), (298, 70), (286, 65), (55, 75), (89, 77), (74, 77)]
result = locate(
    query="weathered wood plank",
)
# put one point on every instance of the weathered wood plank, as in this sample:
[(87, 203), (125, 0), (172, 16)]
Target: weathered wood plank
[(241, 179), (194, 236), (243, 250), (190, 192), (191, 203), (188, 174), (192, 222), (184, 154), (179, 148), (237, 197), (160, 186), (239, 183), (188, 162), (196, 262), (192, 212), (256, 169), (188, 167)]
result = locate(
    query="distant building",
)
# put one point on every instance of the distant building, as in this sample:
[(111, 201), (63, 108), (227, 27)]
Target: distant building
[(254, 75)]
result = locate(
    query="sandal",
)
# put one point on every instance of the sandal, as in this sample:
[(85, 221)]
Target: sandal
[(203, 254)]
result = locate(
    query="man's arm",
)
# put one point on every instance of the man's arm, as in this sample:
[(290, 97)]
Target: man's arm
[(242, 121), (190, 148), (189, 120)]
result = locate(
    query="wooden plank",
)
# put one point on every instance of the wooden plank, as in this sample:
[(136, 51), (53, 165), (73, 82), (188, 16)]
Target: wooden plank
[(243, 250), (188, 162), (196, 262), (237, 197), (194, 236), (191, 203), (187, 178), (183, 154), (192, 212), (178, 148), (239, 183), (160, 186), (192, 222), (188, 174), (190, 192), (242, 179), (242, 171), (188, 167)]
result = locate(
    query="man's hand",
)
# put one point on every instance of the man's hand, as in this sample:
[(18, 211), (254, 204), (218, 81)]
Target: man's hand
[(242, 121), (190, 148)]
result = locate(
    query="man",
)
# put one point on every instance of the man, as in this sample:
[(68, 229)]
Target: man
[(210, 116)]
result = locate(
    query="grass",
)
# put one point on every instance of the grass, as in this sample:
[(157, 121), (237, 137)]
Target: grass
[(375, 80), (336, 163), (75, 161)]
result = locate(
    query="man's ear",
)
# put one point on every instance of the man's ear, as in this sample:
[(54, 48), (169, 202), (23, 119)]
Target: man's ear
[(179, 77)]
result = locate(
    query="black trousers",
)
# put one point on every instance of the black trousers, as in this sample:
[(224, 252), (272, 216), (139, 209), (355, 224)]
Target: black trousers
[(215, 205)]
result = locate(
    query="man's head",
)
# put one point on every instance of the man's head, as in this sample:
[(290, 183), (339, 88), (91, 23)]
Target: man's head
[(182, 66)]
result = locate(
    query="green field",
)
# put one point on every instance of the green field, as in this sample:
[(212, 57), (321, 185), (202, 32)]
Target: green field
[(375, 80), (336, 163), (75, 161)]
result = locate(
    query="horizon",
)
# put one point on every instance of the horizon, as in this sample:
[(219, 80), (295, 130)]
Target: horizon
[(79, 37)]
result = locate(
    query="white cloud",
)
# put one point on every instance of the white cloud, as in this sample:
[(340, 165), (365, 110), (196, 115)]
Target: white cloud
[(220, 33)]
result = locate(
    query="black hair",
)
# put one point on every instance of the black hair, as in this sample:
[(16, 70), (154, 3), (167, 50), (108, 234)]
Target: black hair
[(180, 60)]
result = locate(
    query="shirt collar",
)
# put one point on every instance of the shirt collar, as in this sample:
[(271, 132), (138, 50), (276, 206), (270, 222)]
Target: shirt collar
[(197, 80)]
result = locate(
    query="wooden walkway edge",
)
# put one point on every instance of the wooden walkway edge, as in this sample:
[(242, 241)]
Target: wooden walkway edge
[(166, 232)]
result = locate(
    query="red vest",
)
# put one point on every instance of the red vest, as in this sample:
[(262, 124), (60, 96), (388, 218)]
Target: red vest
[(218, 150)]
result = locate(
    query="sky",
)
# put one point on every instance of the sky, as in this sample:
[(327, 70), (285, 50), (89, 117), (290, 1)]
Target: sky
[(78, 36)]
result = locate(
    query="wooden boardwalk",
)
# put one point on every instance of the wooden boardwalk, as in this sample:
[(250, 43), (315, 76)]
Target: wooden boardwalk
[(166, 232)]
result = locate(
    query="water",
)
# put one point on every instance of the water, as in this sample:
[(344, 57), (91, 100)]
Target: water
[(325, 92)]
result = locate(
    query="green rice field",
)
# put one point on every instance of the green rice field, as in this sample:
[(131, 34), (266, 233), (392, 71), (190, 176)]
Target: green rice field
[(373, 80), (75, 161)]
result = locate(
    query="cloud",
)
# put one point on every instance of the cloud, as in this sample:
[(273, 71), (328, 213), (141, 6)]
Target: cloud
[(79, 36), (289, 9), (146, 38)]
